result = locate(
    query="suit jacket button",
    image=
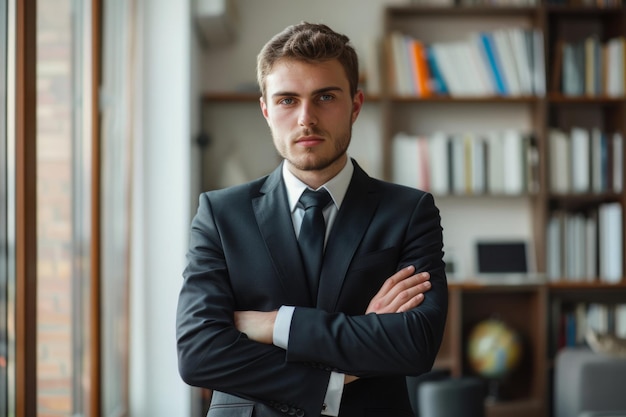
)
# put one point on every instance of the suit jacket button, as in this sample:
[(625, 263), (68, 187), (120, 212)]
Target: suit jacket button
[(299, 413), (284, 408), (324, 407)]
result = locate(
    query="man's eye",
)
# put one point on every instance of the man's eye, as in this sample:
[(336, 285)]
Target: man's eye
[(326, 97), (286, 101)]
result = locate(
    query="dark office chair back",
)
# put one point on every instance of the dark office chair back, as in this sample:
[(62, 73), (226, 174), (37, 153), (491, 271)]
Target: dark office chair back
[(454, 397)]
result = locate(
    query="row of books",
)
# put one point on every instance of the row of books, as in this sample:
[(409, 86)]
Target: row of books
[(522, 3), (573, 323), (586, 3), (506, 62), (585, 247), (451, 3), (585, 160), (498, 162), (590, 67)]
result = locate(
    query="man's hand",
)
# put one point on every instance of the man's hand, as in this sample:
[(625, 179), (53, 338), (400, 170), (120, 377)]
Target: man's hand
[(257, 325), (402, 291)]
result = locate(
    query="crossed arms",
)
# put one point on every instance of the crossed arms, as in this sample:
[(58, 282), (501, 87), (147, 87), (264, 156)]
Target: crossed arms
[(401, 292)]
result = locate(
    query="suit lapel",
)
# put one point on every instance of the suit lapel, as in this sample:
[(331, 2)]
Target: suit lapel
[(351, 223), (271, 209)]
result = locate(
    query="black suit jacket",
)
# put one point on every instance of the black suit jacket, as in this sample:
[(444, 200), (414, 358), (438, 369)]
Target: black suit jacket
[(244, 255)]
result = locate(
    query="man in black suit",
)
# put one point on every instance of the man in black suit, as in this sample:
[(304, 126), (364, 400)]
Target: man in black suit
[(274, 334)]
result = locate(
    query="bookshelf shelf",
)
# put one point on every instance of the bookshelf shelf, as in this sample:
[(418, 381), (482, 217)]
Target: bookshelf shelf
[(407, 12), (564, 286), (558, 98), (583, 10), (472, 99), (577, 200)]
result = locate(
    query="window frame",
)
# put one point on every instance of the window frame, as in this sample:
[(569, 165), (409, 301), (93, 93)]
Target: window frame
[(23, 210)]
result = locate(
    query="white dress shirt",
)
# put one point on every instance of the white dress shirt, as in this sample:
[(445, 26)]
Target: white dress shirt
[(337, 188)]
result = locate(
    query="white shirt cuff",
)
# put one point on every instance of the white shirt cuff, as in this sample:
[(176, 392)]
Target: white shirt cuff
[(332, 401), (282, 324)]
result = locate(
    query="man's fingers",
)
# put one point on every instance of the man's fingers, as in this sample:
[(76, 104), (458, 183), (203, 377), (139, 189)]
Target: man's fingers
[(409, 298), (416, 281), (399, 292), (412, 303)]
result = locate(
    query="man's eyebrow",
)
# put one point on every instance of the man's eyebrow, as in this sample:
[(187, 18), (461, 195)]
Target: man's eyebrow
[(315, 92)]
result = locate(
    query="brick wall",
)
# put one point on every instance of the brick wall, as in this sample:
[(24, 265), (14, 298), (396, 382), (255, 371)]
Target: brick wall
[(54, 176)]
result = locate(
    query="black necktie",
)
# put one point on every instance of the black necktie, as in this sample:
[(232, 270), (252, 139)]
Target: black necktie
[(312, 233)]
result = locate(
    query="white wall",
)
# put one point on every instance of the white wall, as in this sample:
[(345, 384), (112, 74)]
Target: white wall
[(161, 203)]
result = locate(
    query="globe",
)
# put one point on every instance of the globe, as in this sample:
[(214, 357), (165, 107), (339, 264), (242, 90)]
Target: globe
[(494, 349)]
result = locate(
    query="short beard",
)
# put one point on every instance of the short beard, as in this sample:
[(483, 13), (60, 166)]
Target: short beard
[(341, 147)]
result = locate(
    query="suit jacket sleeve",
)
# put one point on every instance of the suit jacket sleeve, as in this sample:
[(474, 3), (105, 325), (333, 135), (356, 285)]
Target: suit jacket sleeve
[(377, 345), (212, 353)]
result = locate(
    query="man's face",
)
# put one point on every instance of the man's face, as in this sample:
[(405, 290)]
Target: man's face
[(310, 113)]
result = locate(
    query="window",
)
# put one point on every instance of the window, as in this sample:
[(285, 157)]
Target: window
[(64, 233), (50, 240)]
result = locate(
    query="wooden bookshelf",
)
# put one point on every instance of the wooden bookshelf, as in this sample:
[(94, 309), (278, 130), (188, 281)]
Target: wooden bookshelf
[(533, 309)]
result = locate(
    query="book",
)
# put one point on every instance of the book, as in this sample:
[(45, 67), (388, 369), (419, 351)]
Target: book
[(574, 245), (518, 40), (610, 242), (554, 254), (514, 154), (420, 68), (438, 84), (598, 161), (405, 151), (590, 45), (559, 160), (488, 47), (400, 64), (443, 55), (539, 66), (479, 164), (465, 71), (479, 68), (580, 160), (573, 69), (457, 164), (508, 63), (617, 160), (439, 163), (615, 65), (495, 162), (591, 246)]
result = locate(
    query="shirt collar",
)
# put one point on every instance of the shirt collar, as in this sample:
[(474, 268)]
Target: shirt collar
[(336, 187)]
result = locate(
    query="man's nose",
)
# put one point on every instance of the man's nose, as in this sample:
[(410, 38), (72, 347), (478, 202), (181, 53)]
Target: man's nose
[(307, 116)]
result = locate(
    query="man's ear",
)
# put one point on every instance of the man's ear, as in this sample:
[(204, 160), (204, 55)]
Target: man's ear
[(264, 108), (357, 104)]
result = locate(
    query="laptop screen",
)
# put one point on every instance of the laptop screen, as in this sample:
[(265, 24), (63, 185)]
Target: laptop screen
[(502, 257)]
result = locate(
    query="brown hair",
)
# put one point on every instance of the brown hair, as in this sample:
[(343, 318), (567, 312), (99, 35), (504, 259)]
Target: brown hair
[(311, 43)]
